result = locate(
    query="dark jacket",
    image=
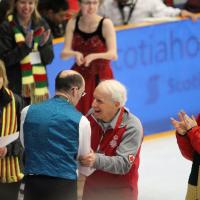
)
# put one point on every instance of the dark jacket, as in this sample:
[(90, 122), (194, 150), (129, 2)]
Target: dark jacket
[(12, 54), (193, 6)]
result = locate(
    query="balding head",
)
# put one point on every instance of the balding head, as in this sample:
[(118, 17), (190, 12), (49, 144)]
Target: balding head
[(67, 79), (71, 85)]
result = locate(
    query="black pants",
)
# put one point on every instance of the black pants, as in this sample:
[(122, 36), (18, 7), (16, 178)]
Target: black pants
[(49, 188), (9, 191)]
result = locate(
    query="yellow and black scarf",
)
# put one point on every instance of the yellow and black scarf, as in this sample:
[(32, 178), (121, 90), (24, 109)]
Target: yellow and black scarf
[(9, 165)]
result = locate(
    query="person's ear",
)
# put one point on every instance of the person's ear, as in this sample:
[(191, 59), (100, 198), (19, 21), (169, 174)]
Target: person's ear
[(74, 91), (117, 104)]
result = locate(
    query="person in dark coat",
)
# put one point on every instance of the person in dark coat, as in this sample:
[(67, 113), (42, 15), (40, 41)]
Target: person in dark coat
[(11, 154), (26, 48)]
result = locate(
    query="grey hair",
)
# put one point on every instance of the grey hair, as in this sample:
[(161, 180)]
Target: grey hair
[(117, 90)]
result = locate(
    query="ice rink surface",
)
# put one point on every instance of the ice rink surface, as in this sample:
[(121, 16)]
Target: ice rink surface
[(163, 172)]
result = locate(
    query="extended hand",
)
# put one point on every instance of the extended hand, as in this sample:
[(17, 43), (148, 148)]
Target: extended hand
[(88, 160)]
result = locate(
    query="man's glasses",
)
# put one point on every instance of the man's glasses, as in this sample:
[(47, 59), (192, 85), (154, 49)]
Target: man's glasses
[(82, 94)]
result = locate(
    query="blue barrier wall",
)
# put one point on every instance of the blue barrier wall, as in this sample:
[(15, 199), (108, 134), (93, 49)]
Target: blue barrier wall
[(159, 65)]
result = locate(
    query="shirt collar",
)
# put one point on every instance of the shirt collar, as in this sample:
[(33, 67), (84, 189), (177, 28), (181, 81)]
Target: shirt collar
[(111, 124)]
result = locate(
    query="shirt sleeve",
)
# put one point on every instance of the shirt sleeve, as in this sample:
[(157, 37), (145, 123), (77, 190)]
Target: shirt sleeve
[(126, 152), (23, 116), (159, 9), (84, 136), (84, 143)]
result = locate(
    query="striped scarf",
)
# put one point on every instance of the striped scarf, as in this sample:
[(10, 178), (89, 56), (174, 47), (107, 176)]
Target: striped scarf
[(9, 166), (34, 77)]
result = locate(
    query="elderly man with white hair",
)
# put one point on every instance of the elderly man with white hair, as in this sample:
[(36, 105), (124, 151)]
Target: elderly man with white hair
[(116, 139)]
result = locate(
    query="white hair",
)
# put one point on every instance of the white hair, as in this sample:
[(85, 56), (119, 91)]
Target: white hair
[(116, 89)]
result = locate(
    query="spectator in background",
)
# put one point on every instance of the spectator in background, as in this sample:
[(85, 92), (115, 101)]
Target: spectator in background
[(116, 139), (123, 12), (169, 2), (54, 134), (26, 47), (55, 14), (91, 39), (188, 138), (73, 7), (193, 6), (11, 155), (4, 5)]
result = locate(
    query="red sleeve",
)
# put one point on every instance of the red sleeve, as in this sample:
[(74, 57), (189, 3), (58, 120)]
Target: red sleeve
[(185, 146), (194, 136), (190, 142), (73, 5)]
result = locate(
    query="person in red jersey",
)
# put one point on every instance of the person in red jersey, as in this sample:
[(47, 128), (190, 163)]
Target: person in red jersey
[(188, 138)]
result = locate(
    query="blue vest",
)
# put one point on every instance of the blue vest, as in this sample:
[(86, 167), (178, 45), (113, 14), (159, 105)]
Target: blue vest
[(51, 139)]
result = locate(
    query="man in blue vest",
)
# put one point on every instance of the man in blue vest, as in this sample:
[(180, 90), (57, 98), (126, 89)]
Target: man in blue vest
[(54, 134)]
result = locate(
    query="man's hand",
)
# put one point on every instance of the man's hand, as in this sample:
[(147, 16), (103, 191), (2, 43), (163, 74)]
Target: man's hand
[(187, 14), (88, 160)]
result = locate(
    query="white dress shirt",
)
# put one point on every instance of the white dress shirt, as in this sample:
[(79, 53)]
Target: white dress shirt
[(143, 9)]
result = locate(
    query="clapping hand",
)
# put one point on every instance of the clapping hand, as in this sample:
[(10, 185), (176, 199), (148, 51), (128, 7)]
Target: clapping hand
[(184, 124), (190, 122), (44, 37), (29, 39)]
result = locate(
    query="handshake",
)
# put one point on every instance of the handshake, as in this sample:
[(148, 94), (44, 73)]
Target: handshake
[(40, 35)]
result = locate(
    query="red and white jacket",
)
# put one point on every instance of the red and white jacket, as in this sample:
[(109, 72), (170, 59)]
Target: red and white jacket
[(117, 150)]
